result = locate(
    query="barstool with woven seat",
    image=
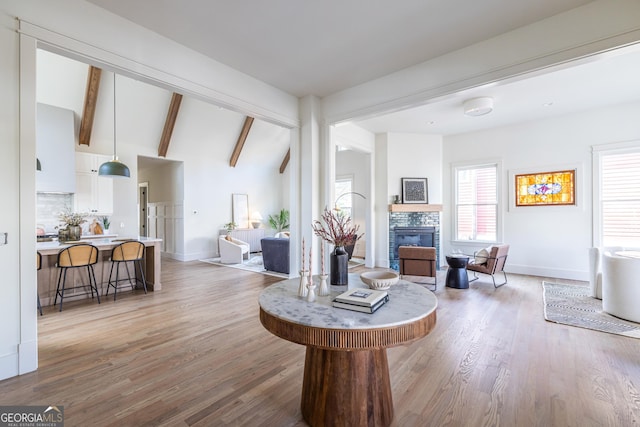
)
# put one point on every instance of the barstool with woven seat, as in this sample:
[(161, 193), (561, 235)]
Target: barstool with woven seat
[(76, 256), (38, 266), (129, 251)]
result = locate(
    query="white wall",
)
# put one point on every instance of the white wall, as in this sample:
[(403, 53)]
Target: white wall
[(545, 241)]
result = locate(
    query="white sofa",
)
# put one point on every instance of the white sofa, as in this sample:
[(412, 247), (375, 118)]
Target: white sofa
[(232, 251), (620, 286)]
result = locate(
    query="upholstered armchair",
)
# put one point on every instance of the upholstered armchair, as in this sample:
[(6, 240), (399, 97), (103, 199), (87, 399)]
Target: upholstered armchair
[(418, 261), (232, 251), (595, 269), (491, 265), (275, 254), (620, 287)]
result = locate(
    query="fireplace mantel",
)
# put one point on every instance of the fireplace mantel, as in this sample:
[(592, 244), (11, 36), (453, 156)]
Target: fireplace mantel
[(414, 207)]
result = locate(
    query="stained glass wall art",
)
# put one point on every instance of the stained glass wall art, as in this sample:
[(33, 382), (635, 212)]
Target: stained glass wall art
[(546, 188)]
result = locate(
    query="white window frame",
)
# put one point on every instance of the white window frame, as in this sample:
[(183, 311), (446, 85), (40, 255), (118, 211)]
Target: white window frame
[(455, 167), (345, 178), (597, 152)]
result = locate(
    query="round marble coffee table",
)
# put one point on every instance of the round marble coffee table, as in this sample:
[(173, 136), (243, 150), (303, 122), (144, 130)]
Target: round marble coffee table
[(346, 373)]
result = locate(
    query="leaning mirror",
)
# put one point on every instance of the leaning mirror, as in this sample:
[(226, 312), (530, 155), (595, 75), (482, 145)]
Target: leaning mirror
[(240, 206)]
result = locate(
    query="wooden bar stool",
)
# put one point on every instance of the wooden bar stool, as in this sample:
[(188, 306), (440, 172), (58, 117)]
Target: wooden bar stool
[(76, 256), (39, 266), (129, 251)]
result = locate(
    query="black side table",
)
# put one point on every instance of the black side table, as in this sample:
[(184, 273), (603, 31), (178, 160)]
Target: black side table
[(457, 272)]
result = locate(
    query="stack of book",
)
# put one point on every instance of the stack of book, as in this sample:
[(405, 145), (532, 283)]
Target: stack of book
[(364, 300)]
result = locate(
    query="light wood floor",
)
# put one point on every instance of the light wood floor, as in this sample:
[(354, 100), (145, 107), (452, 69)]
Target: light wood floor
[(196, 354)]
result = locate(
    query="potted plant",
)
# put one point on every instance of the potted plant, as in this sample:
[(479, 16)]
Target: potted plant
[(72, 220), (106, 223), (280, 221), (230, 226), (337, 228)]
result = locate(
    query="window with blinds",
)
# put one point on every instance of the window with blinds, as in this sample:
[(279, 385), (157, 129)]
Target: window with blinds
[(620, 199), (476, 203)]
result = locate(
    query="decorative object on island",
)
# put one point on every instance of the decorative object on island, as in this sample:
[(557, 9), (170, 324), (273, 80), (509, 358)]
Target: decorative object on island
[(106, 223), (280, 221), (256, 219), (414, 190), (73, 222), (95, 227), (546, 188), (336, 228), (114, 168)]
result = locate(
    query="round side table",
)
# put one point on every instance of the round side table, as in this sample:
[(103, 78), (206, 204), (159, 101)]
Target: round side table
[(346, 373), (457, 272)]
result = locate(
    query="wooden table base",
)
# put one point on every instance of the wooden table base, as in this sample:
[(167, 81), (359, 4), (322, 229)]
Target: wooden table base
[(346, 388)]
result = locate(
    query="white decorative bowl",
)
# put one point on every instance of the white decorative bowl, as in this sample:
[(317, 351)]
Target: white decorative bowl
[(379, 279)]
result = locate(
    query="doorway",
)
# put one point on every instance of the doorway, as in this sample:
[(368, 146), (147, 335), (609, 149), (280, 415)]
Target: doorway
[(143, 191)]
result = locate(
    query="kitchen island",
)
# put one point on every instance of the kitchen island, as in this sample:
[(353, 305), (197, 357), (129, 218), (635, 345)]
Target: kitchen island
[(48, 274)]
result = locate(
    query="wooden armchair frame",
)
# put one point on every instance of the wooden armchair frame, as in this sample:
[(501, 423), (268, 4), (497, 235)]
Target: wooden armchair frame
[(495, 263)]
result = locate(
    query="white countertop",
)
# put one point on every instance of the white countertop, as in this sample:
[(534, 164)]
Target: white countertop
[(407, 302), (47, 248)]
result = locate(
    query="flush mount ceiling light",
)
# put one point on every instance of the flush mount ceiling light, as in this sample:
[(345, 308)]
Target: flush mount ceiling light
[(478, 106), (114, 168)]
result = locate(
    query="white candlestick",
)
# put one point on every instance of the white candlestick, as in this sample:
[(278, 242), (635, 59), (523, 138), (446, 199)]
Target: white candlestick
[(310, 259), (303, 254), (321, 257)]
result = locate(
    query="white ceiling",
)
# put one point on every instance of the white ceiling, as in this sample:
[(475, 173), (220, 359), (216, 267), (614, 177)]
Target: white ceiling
[(321, 47), (608, 79), (324, 46)]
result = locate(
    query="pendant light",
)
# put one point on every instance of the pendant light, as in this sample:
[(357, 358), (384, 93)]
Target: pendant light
[(114, 168)]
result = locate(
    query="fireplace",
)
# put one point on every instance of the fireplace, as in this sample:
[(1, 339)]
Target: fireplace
[(412, 236), (413, 229)]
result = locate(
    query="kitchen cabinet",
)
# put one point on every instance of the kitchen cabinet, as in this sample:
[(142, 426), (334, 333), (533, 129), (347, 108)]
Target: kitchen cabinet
[(55, 148), (94, 194)]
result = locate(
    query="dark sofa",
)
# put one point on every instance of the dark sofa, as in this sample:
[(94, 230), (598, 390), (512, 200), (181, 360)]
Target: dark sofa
[(275, 254)]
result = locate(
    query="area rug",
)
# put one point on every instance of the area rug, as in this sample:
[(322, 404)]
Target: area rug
[(253, 264), (572, 305)]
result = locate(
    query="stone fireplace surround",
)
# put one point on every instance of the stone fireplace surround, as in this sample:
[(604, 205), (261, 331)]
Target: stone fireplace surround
[(415, 224)]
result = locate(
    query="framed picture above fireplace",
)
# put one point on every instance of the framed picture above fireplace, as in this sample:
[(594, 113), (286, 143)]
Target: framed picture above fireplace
[(414, 190)]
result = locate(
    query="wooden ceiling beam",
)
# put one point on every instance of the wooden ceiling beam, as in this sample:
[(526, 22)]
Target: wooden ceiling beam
[(241, 140), (169, 123), (285, 161), (89, 109)]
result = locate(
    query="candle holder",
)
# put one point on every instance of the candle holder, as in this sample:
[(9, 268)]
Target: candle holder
[(324, 290), (303, 289), (311, 294)]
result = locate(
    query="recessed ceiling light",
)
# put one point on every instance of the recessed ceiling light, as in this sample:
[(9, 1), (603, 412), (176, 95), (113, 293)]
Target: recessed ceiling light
[(478, 106), (547, 104)]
